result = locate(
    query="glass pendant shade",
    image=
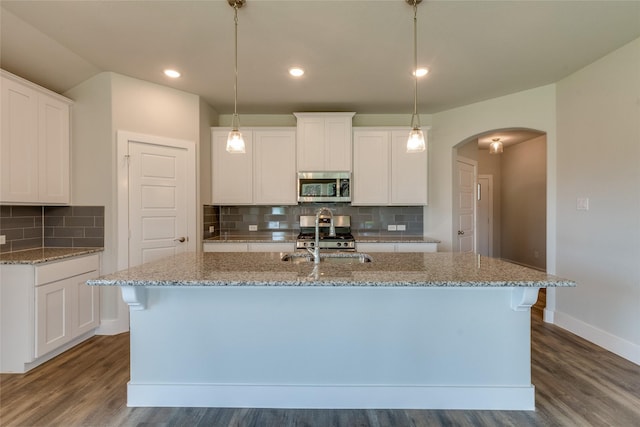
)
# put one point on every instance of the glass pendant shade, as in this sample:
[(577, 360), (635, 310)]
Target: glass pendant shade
[(235, 142), (495, 147), (416, 143)]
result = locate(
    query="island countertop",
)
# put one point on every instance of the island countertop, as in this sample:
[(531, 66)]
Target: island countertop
[(441, 269)]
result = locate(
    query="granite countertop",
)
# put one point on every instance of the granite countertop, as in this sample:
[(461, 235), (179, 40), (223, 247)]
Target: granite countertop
[(441, 269), (40, 255), (290, 237)]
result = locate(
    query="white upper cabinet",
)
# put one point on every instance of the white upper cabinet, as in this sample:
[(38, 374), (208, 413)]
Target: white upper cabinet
[(409, 182), (34, 144), (370, 183), (265, 174), (383, 172), (274, 167), (324, 141), (232, 172)]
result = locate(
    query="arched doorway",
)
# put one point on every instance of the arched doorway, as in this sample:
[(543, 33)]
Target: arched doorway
[(510, 208)]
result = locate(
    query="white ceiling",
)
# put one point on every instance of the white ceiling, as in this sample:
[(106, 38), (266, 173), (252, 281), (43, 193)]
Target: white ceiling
[(357, 53)]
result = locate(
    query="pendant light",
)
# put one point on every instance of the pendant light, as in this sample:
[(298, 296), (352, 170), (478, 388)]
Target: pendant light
[(496, 146), (235, 141), (416, 142)]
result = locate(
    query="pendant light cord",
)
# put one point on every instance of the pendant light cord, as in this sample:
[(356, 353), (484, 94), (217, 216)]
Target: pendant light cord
[(235, 124), (415, 116)]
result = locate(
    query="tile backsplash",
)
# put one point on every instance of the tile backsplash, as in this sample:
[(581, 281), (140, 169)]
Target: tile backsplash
[(371, 220), (22, 227), (28, 227)]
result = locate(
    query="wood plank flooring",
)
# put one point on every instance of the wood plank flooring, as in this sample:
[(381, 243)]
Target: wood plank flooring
[(577, 384)]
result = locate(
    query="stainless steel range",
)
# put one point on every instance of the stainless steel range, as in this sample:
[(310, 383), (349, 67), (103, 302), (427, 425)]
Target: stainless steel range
[(342, 240)]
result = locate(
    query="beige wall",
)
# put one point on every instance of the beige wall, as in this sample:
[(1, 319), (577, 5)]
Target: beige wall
[(599, 159), (523, 210), (490, 164), (208, 118), (358, 120)]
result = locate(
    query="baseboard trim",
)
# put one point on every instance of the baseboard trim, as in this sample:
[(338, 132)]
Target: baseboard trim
[(46, 357), (113, 327), (610, 342), (331, 396)]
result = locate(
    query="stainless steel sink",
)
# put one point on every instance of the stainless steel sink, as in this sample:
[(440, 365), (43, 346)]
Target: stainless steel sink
[(328, 257)]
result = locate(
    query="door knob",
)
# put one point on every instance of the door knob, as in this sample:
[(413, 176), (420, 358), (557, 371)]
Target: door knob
[(460, 232), (181, 240)]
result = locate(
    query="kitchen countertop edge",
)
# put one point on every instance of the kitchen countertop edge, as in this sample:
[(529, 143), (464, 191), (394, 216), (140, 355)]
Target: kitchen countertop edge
[(441, 269), (43, 255)]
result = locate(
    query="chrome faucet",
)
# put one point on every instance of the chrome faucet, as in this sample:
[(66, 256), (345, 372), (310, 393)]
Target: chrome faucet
[(332, 232)]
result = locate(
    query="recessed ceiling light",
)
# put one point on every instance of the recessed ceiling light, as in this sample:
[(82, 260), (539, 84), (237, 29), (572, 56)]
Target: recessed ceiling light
[(296, 71), (172, 73), (421, 72)]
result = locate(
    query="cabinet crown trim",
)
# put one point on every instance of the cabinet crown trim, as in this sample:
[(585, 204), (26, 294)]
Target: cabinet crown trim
[(38, 88)]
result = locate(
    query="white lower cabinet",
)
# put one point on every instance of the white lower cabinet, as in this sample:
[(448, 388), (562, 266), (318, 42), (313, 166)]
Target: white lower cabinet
[(46, 309), (396, 247), (248, 247), (65, 309), (271, 247)]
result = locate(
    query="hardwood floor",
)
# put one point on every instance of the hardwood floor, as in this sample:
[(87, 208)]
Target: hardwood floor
[(577, 384)]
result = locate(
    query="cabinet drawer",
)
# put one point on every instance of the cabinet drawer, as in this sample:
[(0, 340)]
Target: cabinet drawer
[(70, 267), (271, 247), (225, 247)]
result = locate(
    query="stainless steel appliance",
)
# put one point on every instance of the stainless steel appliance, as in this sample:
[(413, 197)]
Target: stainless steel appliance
[(324, 186), (342, 240)]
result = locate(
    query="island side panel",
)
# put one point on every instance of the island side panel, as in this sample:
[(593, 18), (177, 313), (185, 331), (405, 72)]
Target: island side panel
[(237, 345)]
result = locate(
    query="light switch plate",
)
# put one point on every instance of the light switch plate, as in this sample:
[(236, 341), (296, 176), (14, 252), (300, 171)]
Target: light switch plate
[(3, 240), (253, 227), (582, 204), (212, 229)]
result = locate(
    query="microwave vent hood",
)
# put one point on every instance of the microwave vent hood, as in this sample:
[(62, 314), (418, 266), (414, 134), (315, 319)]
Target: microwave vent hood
[(324, 187)]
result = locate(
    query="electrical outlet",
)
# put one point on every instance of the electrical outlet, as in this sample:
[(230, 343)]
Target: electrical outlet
[(253, 227), (391, 228), (401, 227), (212, 229), (3, 240)]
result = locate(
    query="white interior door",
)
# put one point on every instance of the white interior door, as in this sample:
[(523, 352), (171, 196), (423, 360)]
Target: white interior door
[(484, 222), (466, 205), (158, 214)]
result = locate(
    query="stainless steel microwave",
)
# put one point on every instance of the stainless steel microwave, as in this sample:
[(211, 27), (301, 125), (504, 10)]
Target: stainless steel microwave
[(324, 186)]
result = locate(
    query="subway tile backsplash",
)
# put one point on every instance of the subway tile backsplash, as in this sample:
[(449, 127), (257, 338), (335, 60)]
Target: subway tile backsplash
[(371, 220), (28, 227), (21, 226)]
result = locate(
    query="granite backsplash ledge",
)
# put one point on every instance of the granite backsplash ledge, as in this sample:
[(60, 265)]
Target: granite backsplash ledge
[(29, 227)]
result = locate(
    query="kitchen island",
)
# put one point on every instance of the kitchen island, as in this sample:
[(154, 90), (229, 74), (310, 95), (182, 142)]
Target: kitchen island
[(407, 330)]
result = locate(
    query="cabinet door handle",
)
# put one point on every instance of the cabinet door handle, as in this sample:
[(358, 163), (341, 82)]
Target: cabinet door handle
[(460, 232), (181, 240)]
